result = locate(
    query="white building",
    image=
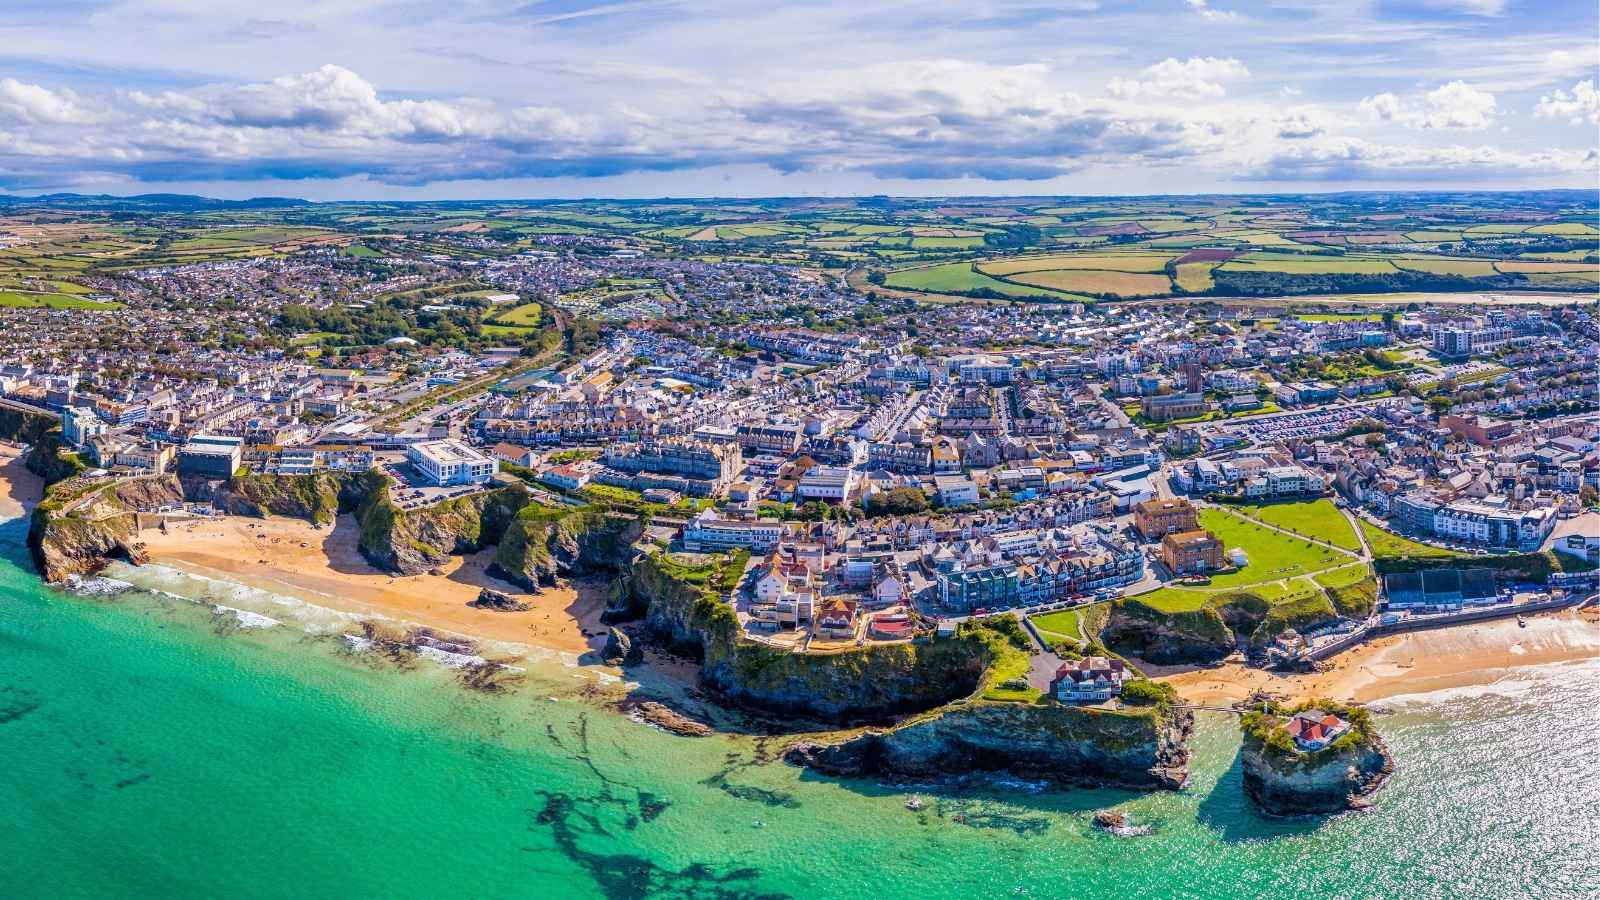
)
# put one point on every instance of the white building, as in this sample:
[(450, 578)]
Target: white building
[(707, 532), (450, 462)]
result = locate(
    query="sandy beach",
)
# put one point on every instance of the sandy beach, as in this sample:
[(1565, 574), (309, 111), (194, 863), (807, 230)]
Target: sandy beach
[(324, 568), (19, 488), (1413, 663)]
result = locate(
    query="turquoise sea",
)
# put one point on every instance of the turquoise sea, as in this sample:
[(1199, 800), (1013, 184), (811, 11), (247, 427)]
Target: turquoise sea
[(151, 747)]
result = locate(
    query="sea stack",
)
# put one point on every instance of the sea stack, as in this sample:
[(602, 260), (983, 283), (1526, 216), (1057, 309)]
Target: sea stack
[(1313, 758)]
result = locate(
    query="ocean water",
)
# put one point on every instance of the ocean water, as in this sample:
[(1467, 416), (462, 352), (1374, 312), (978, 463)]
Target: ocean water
[(153, 746)]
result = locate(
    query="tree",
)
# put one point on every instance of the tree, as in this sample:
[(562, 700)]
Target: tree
[(900, 501)]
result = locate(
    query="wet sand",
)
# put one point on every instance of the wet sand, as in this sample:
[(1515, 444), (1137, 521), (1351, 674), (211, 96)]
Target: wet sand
[(324, 568), (1413, 663)]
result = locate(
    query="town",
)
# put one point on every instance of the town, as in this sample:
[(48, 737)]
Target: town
[(876, 467)]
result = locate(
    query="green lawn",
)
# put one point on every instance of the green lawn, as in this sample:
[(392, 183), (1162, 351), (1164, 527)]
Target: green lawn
[(1388, 545), (1319, 520), (1344, 576), (1273, 555), (51, 301), (1056, 627), (526, 315)]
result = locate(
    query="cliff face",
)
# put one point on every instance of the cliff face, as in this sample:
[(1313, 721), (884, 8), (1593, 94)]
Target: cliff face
[(1284, 781), (870, 682), (412, 541), (1193, 636), (1137, 749), (317, 498), (541, 544), (77, 528), (1330, 782)]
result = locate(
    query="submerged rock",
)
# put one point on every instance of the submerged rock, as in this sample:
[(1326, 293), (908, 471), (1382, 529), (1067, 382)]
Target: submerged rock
[(664, 718)]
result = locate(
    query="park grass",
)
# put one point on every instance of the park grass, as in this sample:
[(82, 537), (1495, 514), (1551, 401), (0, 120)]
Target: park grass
[(1060, 626), (1097, 281), (1386, 544), (1344, 576), (1273, 555), (1319, 520), (1113, 262)]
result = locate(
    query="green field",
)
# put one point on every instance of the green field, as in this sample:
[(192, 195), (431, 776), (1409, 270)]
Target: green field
[(1307, 264), (959, 276), (1273, 555), (1319, 520), (525, 316), (1063, 625), (51, 301), (1386, 544)]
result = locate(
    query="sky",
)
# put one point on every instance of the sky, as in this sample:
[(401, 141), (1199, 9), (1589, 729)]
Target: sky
[(474, 99)]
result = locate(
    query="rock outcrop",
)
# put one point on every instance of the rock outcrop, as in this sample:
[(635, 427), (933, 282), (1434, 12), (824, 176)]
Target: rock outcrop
[(1286, 781), (1143, 748), (80, 525), (318, 498), (621, 649), (488, 598), (865, 683), (412, 541), (542, 543)]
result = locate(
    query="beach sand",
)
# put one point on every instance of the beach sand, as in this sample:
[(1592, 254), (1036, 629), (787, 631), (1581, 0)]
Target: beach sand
[(1412, 663), (19, 488), (324, 568)]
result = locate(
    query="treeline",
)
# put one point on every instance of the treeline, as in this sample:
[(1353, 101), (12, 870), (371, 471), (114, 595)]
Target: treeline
[(1277, 284)]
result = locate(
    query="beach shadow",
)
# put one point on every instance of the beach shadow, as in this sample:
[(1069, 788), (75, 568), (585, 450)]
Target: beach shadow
[(1230, 813), (341, 547)]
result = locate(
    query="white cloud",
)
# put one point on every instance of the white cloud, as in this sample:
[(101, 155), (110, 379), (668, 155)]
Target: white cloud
[(1203, 7), (1456, 105), (1469, 7), (1348, 160), (1582, 103), (1197, 77), (1300, 125), (34, 104)]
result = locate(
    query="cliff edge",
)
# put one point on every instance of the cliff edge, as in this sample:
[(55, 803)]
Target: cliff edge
[(1336, 770)]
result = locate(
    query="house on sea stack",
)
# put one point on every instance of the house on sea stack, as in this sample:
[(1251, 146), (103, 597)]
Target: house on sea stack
[(1314, 729)]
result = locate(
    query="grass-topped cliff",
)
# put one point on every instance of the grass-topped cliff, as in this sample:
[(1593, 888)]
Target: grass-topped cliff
[(684, 605), (1139, 746), (82, 523), (1286, 779)]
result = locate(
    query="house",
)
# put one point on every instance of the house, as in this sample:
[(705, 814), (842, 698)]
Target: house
[(1579, 536), (836, 618), (955, 490), (567, 478), (1093, 679), (515, 455), (1314, 729)]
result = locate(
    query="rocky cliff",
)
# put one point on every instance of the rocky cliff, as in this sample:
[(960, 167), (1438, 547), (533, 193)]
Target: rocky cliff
[(1140, 748), (79, 525), (412, 541), (542, 543), (1137, 629), (1285, 781), (860, 683), (317, 498)]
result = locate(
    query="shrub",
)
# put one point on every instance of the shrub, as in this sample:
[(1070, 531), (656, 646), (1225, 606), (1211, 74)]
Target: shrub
[(1144, 692)]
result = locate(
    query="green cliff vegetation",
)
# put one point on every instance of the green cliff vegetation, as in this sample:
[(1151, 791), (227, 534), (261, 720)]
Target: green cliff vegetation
[(1265, 730), (682, 603)]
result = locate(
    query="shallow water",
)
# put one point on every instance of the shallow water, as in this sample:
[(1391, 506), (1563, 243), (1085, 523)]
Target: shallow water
[(154, 747)]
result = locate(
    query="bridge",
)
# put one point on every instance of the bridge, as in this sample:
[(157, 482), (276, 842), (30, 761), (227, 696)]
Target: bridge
[(19, 406)]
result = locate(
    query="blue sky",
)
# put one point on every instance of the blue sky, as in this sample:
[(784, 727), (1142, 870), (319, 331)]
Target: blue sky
[(359, 99)]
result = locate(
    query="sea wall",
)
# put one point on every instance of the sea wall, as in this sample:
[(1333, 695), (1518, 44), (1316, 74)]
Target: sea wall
[(1139, 748), (80, 525), (859, 683)]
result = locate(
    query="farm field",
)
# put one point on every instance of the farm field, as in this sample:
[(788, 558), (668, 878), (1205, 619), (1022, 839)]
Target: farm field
[(1091, 281), (526, 316), (957, 277), (1115, 262), (1319, 520), (51, 301)]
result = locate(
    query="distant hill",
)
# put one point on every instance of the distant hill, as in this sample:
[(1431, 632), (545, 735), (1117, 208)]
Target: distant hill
[(146, 202)]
